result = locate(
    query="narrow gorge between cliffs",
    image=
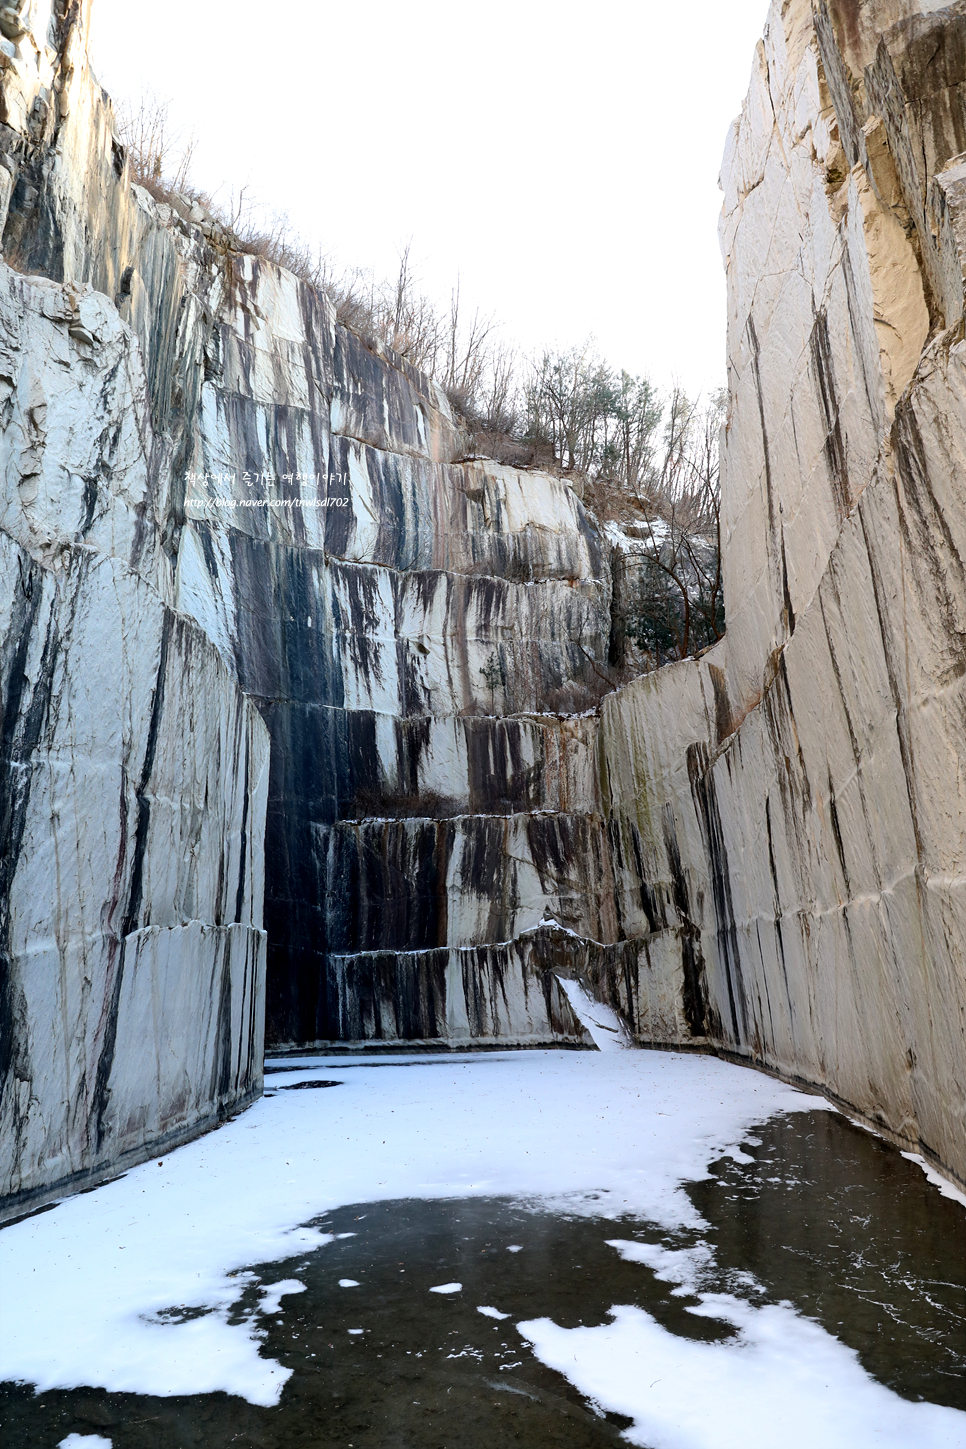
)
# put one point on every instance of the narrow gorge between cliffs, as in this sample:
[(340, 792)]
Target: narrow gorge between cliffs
[(362, 776), (394, 664), (311, 746)]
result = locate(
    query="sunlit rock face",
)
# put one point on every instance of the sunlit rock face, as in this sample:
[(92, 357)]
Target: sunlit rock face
[(794, 802), (133, 770)]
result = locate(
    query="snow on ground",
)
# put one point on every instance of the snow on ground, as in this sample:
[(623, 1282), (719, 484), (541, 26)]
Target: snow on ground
[(102, 1282), (786, 1381), (273, 1293), (947, 1188), (785, 1376)]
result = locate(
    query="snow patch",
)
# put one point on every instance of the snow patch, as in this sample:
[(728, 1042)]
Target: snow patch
[(947, 1188), (273, 1293), (781, 1369), (447, 1288), (492, 1313), (783, 1379), (605, 1027), (684, 1266)]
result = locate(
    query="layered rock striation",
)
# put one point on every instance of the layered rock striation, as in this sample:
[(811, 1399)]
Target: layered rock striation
[(133, 770), (273, 633), (788, 812), (411, 623)]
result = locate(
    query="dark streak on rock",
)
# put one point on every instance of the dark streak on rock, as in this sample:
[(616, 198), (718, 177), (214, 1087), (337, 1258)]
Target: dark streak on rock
[(820, 349), (650, 904), (90, 506), (100, 1097), (837, 834), (220, 1089), (243, 840), (756, 374), (705, 798), (694, 990), (24, 715), (723, 721)]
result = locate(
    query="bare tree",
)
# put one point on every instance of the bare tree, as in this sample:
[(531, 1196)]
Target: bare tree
[(468, 354), (498, 392), (160, 153), (680, 607), (569, 402), (637, 413)]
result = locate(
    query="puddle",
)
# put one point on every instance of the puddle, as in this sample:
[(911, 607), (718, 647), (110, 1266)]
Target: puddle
[(401, 1332)]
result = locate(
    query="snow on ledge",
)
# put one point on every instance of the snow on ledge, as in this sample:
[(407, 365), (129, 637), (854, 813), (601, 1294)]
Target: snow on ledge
[(606, 1029)]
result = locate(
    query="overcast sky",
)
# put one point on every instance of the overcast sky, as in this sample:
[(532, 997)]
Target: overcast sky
[(561, 158)]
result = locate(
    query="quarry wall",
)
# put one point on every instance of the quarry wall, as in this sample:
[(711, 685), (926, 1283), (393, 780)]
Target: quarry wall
[(308, 728), (788, 811), (133, 770), (303, 762)]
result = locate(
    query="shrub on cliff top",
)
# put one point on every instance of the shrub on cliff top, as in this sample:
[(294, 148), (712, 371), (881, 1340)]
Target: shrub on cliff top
[(645, 465)]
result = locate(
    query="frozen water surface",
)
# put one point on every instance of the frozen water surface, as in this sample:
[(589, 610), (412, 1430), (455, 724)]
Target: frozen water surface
[(709, 1259)]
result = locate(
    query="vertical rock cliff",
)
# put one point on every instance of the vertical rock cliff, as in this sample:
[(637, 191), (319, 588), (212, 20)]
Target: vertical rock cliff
[(411, 623), (789, 812), (235, 533), (133, 771), (271, 630)]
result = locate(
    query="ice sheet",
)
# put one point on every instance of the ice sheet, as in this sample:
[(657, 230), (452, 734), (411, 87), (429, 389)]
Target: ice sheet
[(784, 1380), (102, 1283), (783, 1376)]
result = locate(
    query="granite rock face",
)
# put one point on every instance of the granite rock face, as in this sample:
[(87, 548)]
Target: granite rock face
[(412, 633), (133, 771), (269, 624), (789, 812), (418, 629), (424, 634)]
